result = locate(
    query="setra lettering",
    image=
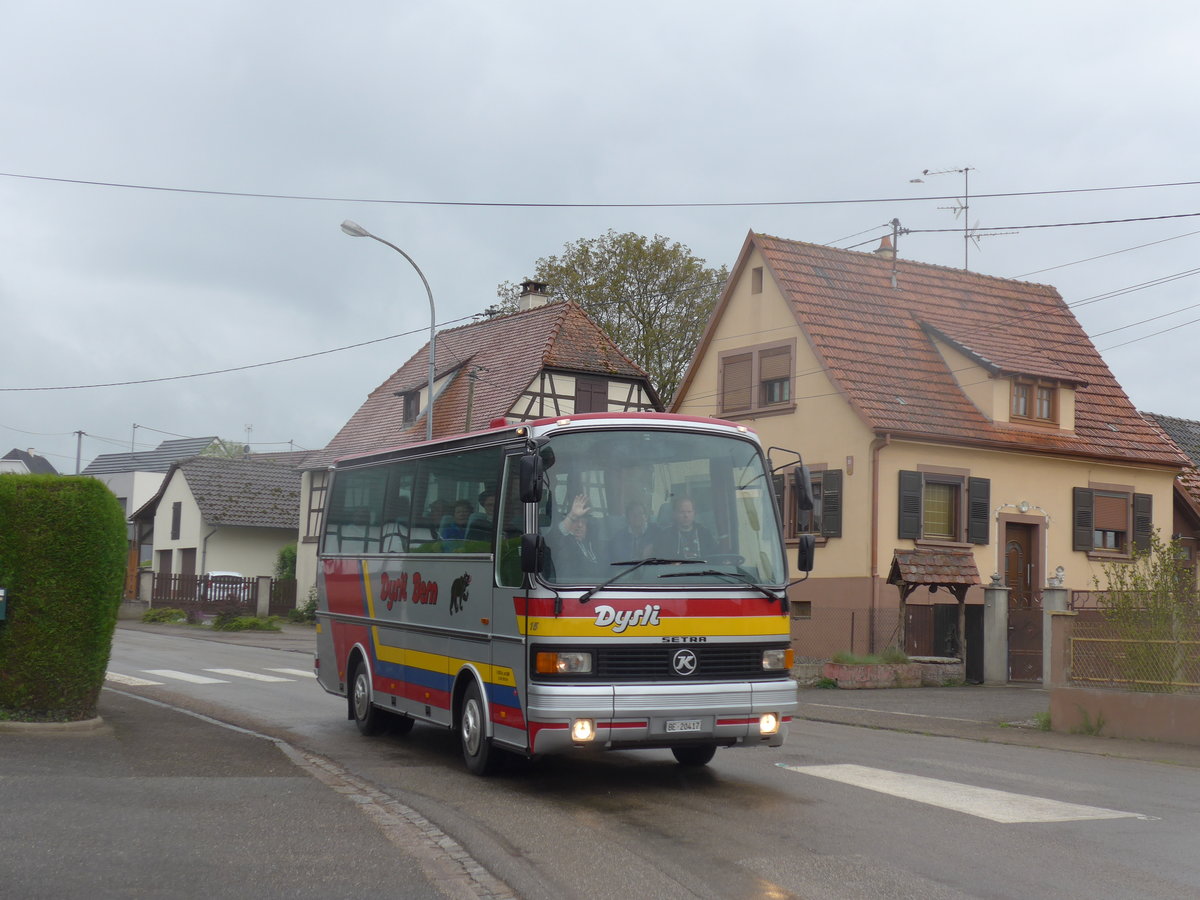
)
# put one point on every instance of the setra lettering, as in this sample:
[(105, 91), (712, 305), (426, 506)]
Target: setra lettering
[(620, 619)]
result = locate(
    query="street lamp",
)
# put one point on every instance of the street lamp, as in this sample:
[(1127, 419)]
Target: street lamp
[(355, 230)]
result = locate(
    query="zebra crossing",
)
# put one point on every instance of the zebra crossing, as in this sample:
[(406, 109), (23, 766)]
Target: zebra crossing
[(207, 676)]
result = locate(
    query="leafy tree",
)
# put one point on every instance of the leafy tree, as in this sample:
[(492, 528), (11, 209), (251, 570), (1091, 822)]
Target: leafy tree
[(651, 295), (226, 449), (1151, 605)]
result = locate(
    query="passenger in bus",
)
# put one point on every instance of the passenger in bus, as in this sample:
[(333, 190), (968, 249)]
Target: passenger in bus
[(685, 538), (454, 527), (635, 540), (576, 556)]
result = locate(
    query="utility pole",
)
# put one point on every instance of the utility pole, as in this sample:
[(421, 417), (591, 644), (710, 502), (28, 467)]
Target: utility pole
[(78, 449)]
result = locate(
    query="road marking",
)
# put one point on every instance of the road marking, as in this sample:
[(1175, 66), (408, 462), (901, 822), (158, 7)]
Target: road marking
[(253, 676), (985, 803), (129, 680), (184, 676), (299, 673)]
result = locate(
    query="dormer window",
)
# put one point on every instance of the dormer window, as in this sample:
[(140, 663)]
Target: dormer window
[(1034, 401), (412, 405)]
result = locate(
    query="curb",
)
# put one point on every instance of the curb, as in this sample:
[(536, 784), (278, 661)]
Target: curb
[(80, 727)]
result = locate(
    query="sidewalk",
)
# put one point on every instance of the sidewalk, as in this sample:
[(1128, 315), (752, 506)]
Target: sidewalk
[(1001, 714)]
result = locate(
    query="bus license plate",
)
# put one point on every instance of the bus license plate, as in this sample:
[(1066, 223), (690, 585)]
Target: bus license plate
[(679, 725)]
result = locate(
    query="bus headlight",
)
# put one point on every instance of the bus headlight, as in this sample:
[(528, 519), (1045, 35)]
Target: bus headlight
[(778, 660), (575, 662), (768, 723), (583, 730)]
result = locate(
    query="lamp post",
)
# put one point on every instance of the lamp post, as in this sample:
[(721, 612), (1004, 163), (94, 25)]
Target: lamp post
[(355, 230)]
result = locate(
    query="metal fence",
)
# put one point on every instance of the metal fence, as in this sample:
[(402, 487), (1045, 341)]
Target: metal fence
[(827, 631), (1134, 657)]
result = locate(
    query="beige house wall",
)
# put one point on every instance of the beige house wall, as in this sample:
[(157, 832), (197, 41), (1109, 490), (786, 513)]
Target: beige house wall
[(248, 551), (189, 523)]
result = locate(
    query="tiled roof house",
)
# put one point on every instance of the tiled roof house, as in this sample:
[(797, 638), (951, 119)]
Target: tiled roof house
[(214, 514), (1186, 435), (937, 409), (548, 359)]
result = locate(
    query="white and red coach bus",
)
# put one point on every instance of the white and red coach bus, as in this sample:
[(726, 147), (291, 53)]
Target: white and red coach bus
[(607, 581)]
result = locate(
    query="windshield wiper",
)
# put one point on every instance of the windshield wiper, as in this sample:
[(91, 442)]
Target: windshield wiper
[(634, 565), (736, 576)]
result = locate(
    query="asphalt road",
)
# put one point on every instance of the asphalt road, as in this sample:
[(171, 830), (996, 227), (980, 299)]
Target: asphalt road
[(839, 812)]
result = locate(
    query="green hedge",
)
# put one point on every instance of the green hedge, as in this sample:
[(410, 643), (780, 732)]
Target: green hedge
[(62, 560)]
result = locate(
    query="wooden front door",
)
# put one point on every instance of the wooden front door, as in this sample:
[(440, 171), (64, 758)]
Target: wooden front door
[(1021, 573)]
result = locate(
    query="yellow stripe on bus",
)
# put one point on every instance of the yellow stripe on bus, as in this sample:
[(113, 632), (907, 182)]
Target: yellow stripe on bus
[(691, 626)]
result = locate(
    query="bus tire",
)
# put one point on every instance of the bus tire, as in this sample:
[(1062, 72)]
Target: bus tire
[(480, 757), (695, 755), (367, 717), (399, 723)]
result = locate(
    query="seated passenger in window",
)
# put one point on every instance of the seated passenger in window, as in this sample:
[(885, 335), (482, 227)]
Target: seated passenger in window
[(635, 540), (454, 527), (576, 556), (685, 538), (481, 524)]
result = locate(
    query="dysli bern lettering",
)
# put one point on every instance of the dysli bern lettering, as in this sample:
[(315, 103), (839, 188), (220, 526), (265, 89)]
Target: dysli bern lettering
[(619, 620)]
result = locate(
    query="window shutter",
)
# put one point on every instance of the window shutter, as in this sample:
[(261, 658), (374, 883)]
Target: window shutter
[(1110, 512), (1083, 539), (1143, 521), (979, 493), (775, 363), (831, 503), (735, 382), (911, 484)]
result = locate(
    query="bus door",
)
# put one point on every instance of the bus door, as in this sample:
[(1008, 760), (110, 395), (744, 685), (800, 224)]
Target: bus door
[(506, 683)]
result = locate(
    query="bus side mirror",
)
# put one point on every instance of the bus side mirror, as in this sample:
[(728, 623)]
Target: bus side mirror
[(532, 546), (805, 552), (531, 478)]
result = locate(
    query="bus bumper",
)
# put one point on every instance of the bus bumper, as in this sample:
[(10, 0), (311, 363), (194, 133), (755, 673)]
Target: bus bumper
[(632, 716)]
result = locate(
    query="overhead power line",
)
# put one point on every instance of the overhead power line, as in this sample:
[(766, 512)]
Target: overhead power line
[(624, 205)]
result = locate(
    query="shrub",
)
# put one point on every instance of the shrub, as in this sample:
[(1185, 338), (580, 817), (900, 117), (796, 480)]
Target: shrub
[(285, 562), (62, 560), (306, 614), (164, 615), (228, 621)]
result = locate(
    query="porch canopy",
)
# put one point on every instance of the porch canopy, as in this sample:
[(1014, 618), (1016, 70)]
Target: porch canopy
[(951, 569), (947, 568)]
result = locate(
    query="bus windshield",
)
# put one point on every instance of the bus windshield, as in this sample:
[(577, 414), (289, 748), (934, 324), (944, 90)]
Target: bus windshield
[(695, 507)]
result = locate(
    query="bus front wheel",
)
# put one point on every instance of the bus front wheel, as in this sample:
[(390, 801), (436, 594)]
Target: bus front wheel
[(367, 717), (694, 755), (472, 729)]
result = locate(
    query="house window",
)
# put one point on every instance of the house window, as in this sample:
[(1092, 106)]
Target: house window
[(757, 379), (1105, 520), (176, 520), (756, 280), (941, 507), (825, 518), (412, 405), (318, 487), (591, 394), (1034, 401)]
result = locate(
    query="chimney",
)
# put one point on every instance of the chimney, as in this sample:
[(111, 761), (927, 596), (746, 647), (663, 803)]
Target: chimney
[(885, 248), (533, 295)]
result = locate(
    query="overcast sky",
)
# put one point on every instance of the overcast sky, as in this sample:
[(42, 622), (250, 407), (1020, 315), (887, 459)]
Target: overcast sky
[(553, 103)]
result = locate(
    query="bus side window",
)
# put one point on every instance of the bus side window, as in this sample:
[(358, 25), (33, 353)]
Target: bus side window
[(512, 526)]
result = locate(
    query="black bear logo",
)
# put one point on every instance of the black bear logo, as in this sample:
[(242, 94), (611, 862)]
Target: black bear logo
[(458, 592)]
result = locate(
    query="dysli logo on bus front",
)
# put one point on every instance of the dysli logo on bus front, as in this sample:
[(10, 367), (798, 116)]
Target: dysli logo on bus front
[(619, 620)]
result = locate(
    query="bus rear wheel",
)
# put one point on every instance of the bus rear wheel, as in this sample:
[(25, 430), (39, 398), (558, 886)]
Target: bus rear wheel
[(695, 755), (367, 717), (480, 757)]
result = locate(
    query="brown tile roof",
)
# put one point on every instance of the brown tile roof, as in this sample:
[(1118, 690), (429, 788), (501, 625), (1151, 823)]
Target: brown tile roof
[(1186, 435), (874, 341), (505, 354), (930, 566)]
